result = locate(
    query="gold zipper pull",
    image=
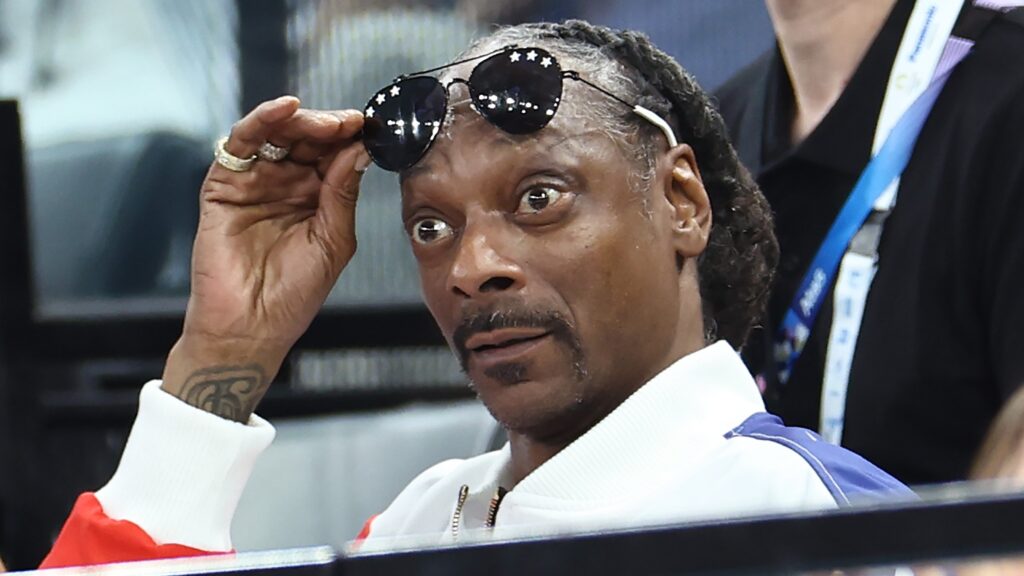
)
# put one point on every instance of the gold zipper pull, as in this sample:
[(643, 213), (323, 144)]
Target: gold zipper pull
[(457, 516), (492, 510)]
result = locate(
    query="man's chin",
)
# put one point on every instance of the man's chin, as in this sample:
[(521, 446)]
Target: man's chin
[(494, 379), (526, 402), (507, 373)]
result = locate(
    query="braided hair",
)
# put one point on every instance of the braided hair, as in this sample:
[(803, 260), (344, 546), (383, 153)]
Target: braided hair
[(738, 265)]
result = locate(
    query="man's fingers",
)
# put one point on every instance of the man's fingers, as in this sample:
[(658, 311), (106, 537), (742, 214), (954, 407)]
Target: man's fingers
[(311, 135), (248, 133), (353, 123), (282, 123), (315, 139), (320, 125), (265, 182), (341, 181), (336, 217), (285, 131)]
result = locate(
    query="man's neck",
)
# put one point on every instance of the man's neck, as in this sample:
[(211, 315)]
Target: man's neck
[(822, 43), (529, 450)]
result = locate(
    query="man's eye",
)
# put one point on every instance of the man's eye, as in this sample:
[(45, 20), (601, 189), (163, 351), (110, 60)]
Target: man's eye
[(430, 230), (537, 199)]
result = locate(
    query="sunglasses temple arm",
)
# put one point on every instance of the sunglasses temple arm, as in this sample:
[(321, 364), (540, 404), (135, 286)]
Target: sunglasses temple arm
[(658, 121), (456, 63), (644, 113), (572, 75)]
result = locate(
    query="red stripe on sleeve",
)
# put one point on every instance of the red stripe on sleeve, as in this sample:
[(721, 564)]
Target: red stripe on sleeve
[(365, 532), (356, 544), (90, 537)]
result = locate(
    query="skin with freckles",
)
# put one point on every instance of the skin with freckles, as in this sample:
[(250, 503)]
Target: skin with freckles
[(529, 228)]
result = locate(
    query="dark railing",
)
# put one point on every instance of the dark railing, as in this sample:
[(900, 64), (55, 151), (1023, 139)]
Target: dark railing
[(958, 526), (933, 532)]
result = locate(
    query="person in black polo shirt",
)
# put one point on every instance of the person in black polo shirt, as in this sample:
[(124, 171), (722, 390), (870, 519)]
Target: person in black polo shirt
[(914, 382)]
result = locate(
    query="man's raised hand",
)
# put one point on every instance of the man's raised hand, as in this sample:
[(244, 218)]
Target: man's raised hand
[(271, 243)]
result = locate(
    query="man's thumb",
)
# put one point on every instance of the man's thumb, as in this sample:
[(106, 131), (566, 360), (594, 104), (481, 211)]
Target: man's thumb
[(336, 217)]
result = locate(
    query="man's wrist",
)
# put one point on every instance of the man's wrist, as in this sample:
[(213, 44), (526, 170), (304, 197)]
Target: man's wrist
[(224, 379), (183, 471)]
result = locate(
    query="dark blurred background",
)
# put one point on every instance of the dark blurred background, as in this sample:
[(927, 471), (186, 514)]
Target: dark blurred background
[(119, 102)]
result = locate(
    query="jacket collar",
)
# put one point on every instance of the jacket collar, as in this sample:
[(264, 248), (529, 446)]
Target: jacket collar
[(680, 413)]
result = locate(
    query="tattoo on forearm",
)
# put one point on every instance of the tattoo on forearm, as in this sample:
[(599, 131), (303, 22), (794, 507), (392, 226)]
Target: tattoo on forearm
[(228, 391)]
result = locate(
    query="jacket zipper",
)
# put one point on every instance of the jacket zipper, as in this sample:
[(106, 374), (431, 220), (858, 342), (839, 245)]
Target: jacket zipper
[(457, 516), (492, 510)]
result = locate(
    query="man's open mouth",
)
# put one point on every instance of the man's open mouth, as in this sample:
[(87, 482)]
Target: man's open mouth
[(503, 338), (488, 349)]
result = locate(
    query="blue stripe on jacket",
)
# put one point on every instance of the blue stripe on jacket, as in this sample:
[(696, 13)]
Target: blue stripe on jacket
[(846, 475)]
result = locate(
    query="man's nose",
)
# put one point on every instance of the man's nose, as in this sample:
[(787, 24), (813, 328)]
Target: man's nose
[(480, 268)]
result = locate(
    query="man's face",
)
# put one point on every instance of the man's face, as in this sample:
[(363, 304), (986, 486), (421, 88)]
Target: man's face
[(552, 279)]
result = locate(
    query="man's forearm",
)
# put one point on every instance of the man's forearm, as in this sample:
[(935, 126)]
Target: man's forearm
[(227, 391), (223, 381)]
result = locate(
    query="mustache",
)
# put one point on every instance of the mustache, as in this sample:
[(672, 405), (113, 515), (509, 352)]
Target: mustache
[(496, 318)]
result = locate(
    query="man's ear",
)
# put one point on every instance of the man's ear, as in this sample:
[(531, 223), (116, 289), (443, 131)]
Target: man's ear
[(691, 208)]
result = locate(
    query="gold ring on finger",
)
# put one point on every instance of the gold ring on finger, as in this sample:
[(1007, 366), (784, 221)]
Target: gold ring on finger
[(229, 160)]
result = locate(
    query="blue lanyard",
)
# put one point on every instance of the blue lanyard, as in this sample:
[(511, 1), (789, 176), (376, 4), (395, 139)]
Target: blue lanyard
[(881, 171)]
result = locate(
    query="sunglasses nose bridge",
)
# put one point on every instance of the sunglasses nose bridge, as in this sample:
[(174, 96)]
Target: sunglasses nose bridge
[(454, 96)]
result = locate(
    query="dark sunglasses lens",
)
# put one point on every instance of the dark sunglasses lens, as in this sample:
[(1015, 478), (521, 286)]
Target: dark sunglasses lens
[(517, 90), (402, 121)]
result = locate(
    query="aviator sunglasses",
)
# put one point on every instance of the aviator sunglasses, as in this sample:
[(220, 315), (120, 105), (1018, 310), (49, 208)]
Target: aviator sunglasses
[(515, 89)]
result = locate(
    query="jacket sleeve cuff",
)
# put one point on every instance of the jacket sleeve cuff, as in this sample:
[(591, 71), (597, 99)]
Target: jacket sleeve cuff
[(183, 471)]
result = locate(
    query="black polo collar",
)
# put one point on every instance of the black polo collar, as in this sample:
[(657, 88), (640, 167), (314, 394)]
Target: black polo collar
[(842, 141)]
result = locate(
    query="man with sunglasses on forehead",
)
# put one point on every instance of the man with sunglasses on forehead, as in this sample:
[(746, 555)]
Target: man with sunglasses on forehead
[(590, 248)]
